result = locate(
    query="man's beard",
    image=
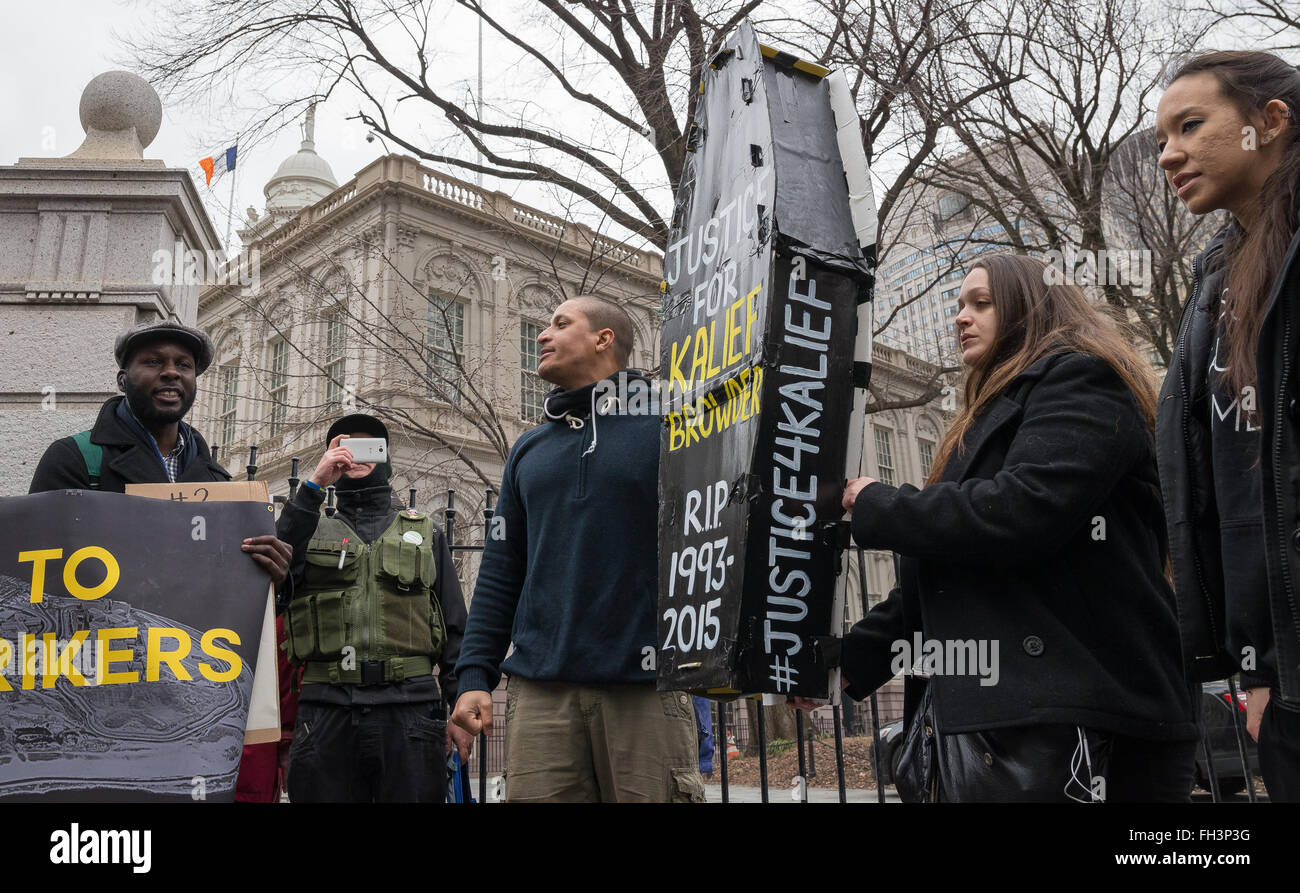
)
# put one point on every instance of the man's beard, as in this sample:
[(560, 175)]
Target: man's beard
[(141, 403)]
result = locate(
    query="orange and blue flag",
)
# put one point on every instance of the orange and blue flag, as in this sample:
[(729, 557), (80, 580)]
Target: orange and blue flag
[(219, 163)]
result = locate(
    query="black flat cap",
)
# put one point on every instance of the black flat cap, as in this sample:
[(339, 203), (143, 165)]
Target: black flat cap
[(196, 341)]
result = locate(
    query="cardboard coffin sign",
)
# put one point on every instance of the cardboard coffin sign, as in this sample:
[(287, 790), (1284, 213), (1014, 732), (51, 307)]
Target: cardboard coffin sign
[(766, 285), (129, 630)]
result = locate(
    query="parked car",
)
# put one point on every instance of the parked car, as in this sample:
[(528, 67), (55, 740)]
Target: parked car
[(1216, 715), (891, 738)]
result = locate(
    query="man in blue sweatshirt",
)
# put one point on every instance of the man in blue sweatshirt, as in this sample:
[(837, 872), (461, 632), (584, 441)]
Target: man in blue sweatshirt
[(570, 575)]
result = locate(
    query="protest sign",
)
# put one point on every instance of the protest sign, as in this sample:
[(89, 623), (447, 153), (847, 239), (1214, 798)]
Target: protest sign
[(765, 349), (264, 709), (129, 629)]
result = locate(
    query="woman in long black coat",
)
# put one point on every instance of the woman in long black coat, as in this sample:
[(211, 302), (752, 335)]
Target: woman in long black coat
[(1032, 575)]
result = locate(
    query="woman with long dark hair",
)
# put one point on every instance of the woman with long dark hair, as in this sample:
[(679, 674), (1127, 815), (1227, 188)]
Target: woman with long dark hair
[(1227, 437), (1038, 540)]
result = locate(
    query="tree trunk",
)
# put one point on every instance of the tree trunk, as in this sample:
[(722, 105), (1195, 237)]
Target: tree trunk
[(779, 723)]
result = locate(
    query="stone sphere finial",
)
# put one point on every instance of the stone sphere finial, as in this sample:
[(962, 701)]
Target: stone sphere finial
[(116, 101)]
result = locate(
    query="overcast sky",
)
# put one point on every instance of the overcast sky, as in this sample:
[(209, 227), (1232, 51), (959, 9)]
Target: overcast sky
[(50, 50)]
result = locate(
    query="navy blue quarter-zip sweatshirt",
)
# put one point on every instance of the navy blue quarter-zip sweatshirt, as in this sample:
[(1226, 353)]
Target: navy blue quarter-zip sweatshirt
[(570, 571)]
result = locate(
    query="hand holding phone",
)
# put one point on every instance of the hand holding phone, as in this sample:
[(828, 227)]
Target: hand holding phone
[(339, 459), (366, 449)]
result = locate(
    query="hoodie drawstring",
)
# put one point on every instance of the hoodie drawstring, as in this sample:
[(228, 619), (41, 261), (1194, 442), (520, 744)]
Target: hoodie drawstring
[(592, 447), (576, 423)]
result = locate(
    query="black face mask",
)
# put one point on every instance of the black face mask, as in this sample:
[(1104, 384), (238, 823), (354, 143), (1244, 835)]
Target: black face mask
[(378, 477), (142, 405)]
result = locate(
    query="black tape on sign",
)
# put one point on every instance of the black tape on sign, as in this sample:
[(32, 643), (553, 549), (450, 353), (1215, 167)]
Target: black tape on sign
[(694, 137), (861, 374), (784, 60)]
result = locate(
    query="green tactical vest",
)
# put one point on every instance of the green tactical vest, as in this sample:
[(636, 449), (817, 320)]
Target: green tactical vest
[(378, 600)]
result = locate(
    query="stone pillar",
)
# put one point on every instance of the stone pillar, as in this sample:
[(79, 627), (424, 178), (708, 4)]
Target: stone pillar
[(81, 242)]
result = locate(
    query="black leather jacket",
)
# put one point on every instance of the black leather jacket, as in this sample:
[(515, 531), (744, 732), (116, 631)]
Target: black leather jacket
[(1183, 453)]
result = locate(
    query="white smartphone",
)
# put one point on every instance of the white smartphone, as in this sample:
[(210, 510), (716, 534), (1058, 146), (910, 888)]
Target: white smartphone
[(366, 449)]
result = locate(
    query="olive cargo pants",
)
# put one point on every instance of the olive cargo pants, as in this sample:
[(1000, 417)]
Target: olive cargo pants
[(568, 743)]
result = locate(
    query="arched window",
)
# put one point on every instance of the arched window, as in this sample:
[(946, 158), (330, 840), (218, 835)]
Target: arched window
[(885, 453), (226, 411), (335, 354), (278, 386), (446, 347), (532, 390)]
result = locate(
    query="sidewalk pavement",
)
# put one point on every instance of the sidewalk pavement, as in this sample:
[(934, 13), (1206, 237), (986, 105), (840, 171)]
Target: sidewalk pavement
[(740, 794)]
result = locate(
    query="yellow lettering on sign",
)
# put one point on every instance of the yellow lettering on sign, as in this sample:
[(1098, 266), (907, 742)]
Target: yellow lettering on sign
[(700, 360), (742, 409), (724, 411), (733, 332), (692, 423), (64, 662), (714, 369), (110, 579), (675, 368), (156, 655), (676, 436), (216, 651), (706, 416), (106, 655), (751, 313), (38, 557)]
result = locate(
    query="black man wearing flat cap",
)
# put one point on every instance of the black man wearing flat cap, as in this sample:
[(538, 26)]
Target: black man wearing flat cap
[(141, 438)]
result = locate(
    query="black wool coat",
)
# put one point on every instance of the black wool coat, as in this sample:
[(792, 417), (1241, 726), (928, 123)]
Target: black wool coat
[(125, 461), (1046, 537)]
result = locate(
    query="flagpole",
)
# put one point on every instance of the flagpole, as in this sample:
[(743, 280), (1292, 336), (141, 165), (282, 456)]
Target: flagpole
[(230, 211), (479, 103)]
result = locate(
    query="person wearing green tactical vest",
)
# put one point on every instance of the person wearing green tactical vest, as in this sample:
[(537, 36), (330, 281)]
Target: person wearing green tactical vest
[(376, 606)]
